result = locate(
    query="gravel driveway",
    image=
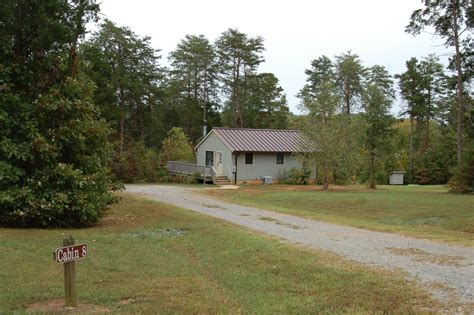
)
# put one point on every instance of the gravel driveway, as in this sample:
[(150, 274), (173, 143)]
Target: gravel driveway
[(446, 270)]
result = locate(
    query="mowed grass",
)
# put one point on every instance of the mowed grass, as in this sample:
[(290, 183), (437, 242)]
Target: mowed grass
[(148, 257), (419, 211)]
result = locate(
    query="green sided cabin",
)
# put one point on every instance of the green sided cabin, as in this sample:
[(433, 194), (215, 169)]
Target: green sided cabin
[(236, 155)]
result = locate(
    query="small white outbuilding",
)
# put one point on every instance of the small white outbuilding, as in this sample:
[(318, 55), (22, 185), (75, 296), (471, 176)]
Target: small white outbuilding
[(396, 178)]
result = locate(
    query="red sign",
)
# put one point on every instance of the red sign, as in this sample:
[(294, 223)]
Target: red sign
[(70, 253)]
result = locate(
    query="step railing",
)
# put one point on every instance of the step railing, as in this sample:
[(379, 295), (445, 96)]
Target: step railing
[(213, 173), (188, 168)]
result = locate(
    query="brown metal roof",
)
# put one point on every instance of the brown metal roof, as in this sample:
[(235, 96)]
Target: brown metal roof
[(264, 140)]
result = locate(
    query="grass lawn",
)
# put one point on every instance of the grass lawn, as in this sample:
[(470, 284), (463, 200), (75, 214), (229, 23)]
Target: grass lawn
[(420, 211), (147, 257)]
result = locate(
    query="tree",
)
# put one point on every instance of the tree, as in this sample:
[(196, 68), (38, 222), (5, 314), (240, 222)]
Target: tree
[(53, 146), (434, 85), (409, 83), (450, 19), (376, 102), (176, 147), (125, 69), (349, 72), (194, 82), (320, 98), (423, 85), (463, 179), (239, 57), (266, 105)]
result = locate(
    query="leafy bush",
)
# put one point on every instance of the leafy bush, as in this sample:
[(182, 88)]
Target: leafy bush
[(463, 180), (295, 176), (137, 164), (176, 147), (53, 160), (54, 149)]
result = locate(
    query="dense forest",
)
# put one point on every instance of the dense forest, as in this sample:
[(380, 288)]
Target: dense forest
[(78, 113)]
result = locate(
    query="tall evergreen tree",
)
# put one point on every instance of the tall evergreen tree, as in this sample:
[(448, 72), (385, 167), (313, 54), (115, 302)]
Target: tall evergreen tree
[(193, 83), (412, 92), (266, 105), (434, 85), (423, 85), (350, 72), (125, 69), (450, 20), (239, 57), (320, 98), (376, 101)]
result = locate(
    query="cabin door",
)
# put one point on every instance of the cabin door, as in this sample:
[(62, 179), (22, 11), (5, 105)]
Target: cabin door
[(218, 162)]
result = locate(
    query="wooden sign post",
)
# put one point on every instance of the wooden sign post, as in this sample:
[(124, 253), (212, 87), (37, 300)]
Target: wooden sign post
[(67, 255)]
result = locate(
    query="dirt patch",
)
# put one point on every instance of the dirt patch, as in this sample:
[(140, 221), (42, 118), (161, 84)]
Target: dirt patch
[(268, 219), (155, 234), (57, 307), (293, 226), (421, 255), (213, 206)]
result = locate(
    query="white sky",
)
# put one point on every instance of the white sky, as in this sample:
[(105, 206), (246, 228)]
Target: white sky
[(295, 32)]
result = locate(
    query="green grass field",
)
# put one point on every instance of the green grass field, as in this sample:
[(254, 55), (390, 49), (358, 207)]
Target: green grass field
[(147, 257), (419, 211)]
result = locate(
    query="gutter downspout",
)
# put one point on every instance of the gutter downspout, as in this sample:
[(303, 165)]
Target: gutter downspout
[(235, 173)]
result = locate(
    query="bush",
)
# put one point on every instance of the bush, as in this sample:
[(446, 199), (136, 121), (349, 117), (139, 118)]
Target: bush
[(137, 164), (176, 147), (463, 180), (296, 176), (53, 160)]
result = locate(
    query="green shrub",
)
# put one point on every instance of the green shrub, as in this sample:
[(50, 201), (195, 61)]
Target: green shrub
[(295, 176), (53, 159), (463, 180), (137, 164), (176, 147)]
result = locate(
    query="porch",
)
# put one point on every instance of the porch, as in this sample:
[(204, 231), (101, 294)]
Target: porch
[(207, 174)]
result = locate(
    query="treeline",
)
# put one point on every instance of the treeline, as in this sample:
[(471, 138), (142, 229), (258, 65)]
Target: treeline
[(206, 84), (77, 114), (349, 117), (348, 106), (218, 84)]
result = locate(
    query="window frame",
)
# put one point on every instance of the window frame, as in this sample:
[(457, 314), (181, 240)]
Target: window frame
[(247, 155), (282, 155), (211, 159)]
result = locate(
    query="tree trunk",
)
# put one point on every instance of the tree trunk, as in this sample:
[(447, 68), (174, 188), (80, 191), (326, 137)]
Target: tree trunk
[(410, 153), (122, 121), (74, 59), (460, 87), (372, 177), (347, 99), (325, 178)]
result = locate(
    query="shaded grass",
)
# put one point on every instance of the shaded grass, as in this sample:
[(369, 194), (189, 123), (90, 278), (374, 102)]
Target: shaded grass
[(159, 258), (420, 211)]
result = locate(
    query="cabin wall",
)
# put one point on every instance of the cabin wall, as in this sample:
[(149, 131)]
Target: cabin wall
[(264, 164), (214, 143)]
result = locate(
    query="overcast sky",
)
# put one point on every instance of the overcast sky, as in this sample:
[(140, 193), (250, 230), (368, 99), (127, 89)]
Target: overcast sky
[(295, 32)]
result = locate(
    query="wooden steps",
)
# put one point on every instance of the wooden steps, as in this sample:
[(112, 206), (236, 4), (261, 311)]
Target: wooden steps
[(222, 180)]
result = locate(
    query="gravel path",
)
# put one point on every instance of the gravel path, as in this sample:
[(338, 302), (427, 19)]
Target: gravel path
[(447, 270)]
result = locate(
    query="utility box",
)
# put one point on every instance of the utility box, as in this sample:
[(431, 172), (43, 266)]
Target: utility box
[(396, 178), (267, 180)]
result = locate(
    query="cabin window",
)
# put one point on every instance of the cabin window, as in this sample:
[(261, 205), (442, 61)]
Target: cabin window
[(249, 158), (209, 158), (280, 158)]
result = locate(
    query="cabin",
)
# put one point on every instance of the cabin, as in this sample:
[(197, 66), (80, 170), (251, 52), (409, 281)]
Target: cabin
[(236, 155)]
